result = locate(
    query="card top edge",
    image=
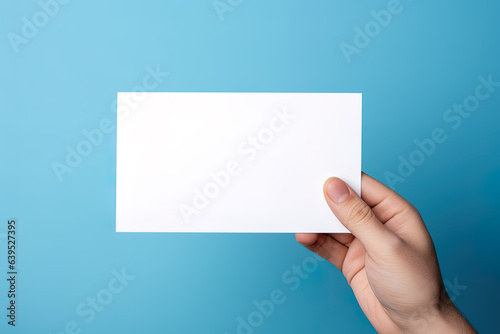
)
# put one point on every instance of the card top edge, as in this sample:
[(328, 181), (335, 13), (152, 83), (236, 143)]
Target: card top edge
[(302, 93)]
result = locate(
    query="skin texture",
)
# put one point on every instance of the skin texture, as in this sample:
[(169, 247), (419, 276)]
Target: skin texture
[(389, 260)]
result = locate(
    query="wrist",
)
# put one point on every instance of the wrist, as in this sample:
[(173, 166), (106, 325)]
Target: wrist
[(444, 318), (450, 320)]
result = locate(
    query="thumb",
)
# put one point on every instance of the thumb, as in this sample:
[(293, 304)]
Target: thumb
[(357, 216)]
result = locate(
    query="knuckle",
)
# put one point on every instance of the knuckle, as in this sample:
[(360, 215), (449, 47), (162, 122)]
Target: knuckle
[(411, 209), (359, 213), (414, 212), (410, 213)]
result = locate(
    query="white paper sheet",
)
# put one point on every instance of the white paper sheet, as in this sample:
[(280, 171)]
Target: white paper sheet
[(233, 162)]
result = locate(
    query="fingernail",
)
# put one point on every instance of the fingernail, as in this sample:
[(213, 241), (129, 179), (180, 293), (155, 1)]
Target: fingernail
[(337, 190)]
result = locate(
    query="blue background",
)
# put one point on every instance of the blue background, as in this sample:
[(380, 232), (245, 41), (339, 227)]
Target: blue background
[(66, 77)]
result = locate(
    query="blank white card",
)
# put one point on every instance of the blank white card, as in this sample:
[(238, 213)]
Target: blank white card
[(233, 162)]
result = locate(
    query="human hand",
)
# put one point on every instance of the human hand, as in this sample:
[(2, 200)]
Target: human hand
[(389, 260)]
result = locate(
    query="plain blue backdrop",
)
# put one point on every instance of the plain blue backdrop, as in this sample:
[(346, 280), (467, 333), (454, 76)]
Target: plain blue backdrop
[(64, 79)]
